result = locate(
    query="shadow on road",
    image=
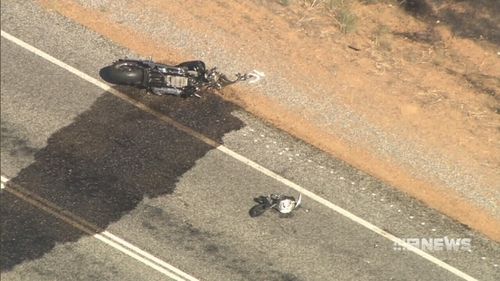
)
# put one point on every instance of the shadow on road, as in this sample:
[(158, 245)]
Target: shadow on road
[(103, 164)]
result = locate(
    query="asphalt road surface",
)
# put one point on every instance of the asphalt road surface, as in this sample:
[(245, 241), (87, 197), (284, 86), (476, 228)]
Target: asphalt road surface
[(89, 169)]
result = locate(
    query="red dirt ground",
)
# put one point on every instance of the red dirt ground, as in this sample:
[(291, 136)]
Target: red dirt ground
[(421, 72)]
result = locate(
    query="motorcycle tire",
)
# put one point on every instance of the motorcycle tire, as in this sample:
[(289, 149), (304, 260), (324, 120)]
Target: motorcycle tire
[(196, 65), (257, 210), (123, 73)]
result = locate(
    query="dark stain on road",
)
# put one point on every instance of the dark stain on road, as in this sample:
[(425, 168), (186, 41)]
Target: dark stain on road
[(14, 142), (103, 164), (211, 248)]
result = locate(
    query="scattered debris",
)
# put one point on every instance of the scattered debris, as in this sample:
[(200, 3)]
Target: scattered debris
[(354, 48), (282, 203)]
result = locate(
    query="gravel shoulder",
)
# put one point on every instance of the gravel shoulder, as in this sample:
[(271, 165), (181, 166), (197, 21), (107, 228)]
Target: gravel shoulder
[(311, 108)]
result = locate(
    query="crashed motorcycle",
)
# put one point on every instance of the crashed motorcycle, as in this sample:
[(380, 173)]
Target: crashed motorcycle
[(282, 203), (185, 80)]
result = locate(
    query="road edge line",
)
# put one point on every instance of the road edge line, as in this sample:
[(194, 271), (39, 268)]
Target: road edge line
[(242, 159)]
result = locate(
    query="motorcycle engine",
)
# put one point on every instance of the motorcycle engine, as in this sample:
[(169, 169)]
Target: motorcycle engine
[(176, 81)]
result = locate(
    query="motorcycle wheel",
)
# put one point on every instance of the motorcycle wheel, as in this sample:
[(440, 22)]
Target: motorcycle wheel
[(123, 73), (257, 210), (196, 65)]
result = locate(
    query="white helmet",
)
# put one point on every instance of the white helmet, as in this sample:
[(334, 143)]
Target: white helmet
[(287, 205)]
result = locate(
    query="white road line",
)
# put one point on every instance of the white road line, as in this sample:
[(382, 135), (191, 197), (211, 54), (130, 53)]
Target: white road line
[(101, 235), (242, 159)]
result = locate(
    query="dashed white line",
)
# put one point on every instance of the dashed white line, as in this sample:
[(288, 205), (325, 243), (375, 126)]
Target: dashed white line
[(242, 159)]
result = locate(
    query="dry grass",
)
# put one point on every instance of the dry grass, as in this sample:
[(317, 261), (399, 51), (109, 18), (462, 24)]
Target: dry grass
[(342, 16), (284, 2), (348, 20)]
